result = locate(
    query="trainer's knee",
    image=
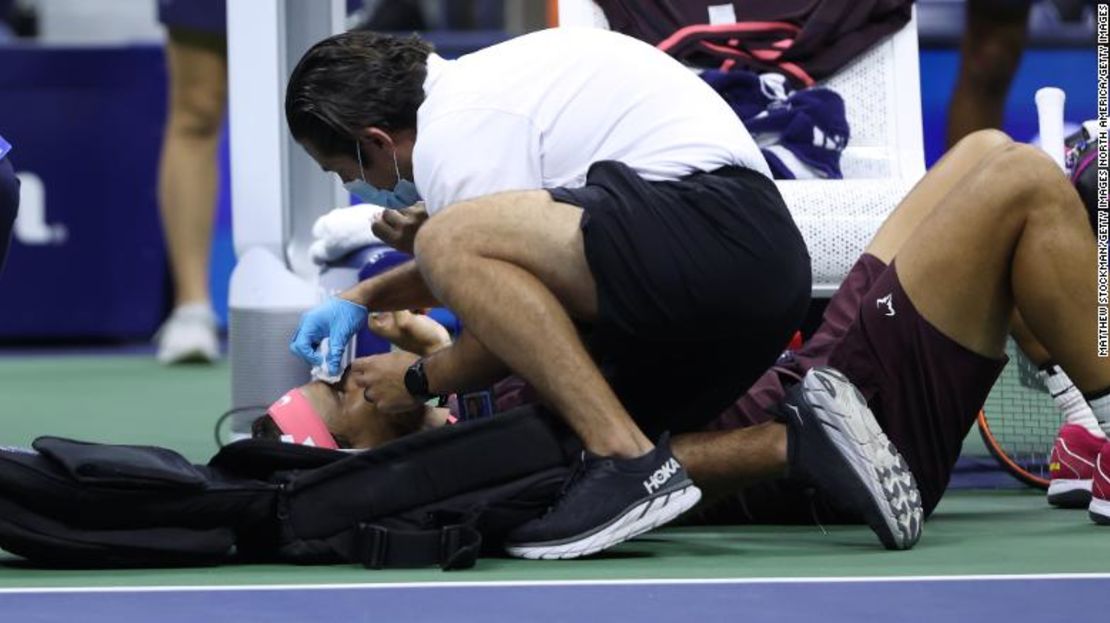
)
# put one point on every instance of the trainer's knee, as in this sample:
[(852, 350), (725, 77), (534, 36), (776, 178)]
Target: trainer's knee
[(431, 240), (445, 239), (475, 225)]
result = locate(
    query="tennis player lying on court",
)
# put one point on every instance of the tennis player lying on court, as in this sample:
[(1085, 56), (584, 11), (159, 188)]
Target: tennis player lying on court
[(918, 325), (993, 231)]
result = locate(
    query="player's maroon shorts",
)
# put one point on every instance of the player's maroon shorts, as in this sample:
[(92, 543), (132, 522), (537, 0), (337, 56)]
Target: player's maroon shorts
[(924, 388)]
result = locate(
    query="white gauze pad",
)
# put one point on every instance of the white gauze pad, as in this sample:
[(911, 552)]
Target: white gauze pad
[(321, 373)]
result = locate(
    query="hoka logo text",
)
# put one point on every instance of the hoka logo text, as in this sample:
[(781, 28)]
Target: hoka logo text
[(661, 475)]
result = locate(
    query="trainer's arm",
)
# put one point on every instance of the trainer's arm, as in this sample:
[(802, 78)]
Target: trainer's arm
[(464, 366), (401, 287)]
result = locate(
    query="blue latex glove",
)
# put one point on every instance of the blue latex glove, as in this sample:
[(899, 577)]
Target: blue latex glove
[(336, 319)]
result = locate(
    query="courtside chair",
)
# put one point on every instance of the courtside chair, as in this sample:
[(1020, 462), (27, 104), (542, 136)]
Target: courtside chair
[(885, 155)]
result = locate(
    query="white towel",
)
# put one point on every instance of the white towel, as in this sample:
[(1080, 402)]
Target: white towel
[(343, 230), (321, 372)]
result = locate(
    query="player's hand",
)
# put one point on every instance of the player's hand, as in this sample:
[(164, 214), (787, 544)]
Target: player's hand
[(398, 228), (382, 379), (337, 319), (415, 333)]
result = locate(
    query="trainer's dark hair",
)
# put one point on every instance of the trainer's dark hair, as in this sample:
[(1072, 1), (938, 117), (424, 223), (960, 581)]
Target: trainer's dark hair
[(354, 80)]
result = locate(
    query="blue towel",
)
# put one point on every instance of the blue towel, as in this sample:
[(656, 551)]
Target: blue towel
[(801, 132)]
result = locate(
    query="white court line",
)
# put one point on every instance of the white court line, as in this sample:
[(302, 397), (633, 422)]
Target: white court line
[(559, 583)]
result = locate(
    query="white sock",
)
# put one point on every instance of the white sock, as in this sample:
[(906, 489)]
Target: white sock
[(1069, 400), (1101, 408)]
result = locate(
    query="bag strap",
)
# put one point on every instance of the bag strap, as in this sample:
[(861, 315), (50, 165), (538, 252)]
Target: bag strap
[(450, 547), (452, 542)]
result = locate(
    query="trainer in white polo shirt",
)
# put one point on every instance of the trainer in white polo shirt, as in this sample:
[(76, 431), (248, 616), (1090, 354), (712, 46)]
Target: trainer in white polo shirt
[(580, 183), (536, 111)]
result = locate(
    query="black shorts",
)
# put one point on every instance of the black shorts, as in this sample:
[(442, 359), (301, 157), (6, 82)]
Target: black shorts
[(9, 205), (700, 284), (924, 388)]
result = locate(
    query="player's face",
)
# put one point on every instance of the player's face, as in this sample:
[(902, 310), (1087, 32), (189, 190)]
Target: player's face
[(344, 409), (348, 415)]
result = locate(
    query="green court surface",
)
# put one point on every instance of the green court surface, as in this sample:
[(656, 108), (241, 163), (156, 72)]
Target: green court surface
[(129, 399), (113, 399)]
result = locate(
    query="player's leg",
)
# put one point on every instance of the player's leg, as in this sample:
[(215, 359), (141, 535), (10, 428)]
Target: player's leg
[(928, 193), (959, 162), (725, 461), (1013, 233), (1027, 342), (713, 457)]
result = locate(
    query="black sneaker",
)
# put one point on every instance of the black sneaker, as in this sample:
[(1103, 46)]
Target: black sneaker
[(608, 501), (834, 441)]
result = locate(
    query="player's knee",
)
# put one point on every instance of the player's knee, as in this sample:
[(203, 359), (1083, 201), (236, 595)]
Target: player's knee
[(1034, 177), (982, 142)]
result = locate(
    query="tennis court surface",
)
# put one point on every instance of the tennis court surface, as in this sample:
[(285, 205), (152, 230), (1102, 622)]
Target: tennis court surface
[(986, 555)]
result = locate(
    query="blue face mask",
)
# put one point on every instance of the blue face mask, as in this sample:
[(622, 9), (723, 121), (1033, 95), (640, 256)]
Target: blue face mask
[(403, 195)]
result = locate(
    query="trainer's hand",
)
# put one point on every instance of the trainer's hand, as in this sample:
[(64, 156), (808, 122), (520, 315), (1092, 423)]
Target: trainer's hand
[(415, 333), (397, 228), (382, 379), (336, 319)]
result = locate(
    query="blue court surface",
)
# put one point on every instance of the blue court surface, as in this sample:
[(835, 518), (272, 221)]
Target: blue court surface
[(1042, 598)]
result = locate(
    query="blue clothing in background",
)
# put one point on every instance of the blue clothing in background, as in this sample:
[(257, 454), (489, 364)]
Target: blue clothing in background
[(801, 132), (209, 16), (9, 199), (206, 16)]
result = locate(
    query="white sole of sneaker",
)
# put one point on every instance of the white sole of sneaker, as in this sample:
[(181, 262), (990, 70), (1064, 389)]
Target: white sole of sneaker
[(1099, 511), (1067, 493), (194, 355), (660, 509), (892, 504), (187, 338)]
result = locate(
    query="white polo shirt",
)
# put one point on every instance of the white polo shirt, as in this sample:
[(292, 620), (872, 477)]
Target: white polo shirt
[(536, 111)]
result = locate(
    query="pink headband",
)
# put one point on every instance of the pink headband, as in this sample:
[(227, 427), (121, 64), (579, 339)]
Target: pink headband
[(299, 422)]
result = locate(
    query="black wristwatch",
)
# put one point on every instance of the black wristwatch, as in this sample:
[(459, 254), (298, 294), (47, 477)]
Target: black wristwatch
[(416, 382)]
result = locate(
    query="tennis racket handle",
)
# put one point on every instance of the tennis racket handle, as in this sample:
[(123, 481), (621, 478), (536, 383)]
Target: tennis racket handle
[(1050, 118)]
